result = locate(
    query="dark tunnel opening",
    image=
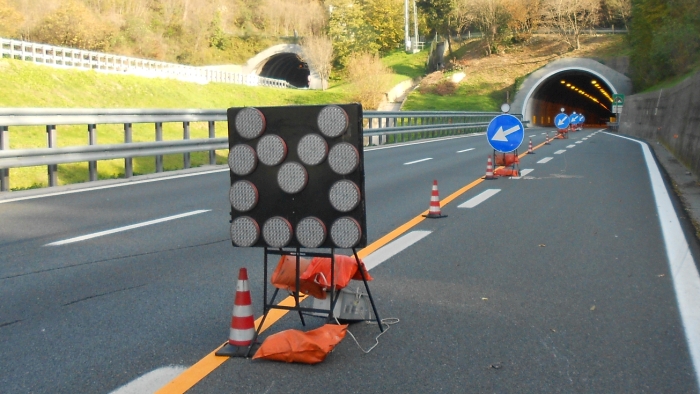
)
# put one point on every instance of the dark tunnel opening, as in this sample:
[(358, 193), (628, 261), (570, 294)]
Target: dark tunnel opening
[(288, 67), (575, 91)]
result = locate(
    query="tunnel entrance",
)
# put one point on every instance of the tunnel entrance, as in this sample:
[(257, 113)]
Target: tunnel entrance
[(288, 67), (578, 85), (575, 91)]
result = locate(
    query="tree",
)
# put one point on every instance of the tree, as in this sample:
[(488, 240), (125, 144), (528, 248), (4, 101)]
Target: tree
[(489, 16), (441, 17), (74, 25), (570, 17), (318, 54), (387, 19), (349, 32), (665, 39), (10, 20)]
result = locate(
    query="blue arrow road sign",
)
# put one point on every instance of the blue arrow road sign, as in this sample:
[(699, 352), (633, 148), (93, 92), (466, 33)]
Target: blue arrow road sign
[(561, 121), (573, 118), (505, 133), (581, 119)]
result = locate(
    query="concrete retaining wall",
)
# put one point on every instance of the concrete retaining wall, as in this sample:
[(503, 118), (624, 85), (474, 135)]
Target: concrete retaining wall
[(671, 117)]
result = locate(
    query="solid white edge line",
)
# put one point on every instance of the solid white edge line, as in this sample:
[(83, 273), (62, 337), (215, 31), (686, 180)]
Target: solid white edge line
[(125, 228), (394, 247), (545, 160), (88, 189), (418, 161), (479, 198), (686, 281)]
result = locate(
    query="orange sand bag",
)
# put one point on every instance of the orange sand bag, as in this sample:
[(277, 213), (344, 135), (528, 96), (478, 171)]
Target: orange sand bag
[(294, 346), (284, 277), (319, 271)]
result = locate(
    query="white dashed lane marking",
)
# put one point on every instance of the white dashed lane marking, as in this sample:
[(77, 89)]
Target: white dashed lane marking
[(418, 161), (474, 201)]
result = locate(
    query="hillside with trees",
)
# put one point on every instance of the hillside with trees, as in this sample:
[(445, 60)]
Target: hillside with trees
[(664, 34)]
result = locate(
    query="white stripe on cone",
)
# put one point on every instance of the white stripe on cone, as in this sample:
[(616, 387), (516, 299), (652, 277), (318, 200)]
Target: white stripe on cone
[(243, 310), (241, 335)]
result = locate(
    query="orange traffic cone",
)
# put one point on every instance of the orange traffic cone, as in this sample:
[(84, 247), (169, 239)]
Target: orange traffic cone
[(529, 148), (489, 169), (242, 322), (434, 211)]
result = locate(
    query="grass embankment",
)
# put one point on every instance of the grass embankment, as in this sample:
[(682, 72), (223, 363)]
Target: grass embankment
[(25, 84), (491, 80), (28, 85)]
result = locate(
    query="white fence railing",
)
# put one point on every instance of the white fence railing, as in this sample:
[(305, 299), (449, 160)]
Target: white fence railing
[(88, 60)]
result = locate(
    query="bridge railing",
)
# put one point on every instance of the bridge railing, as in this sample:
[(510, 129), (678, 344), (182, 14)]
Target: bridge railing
[(89, 60), (380, 128)]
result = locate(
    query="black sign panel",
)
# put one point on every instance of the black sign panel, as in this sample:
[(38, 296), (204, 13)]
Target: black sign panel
[(297, 176)]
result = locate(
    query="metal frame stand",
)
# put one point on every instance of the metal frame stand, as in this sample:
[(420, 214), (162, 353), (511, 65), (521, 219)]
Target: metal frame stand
[(514, 165), (334, 294)]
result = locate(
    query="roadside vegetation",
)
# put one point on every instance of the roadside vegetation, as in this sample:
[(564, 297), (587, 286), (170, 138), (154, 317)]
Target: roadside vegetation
[(357, 43)]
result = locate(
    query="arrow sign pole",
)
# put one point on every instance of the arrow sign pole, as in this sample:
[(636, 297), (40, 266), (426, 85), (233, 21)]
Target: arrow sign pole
[(501, 135)]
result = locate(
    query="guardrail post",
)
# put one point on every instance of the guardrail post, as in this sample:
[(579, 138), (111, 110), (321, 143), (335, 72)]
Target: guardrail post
[(159, 137), (53, 168), (186, 136), (212, 134), (128, 162), (92, 140), (4, 172)]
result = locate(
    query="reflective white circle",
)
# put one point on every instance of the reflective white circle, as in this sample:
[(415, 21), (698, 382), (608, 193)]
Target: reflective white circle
[(505, 108), (343, 158), (332, 121), (243, 196), (311, 232), (242, 159), (272, 150), (250, 123), (312, 149), (346, 232), (277, 232), (245, 231), (292, 177), (344, 195)]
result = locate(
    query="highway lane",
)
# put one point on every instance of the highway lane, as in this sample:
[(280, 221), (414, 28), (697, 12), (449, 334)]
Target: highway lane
[(558, 283), (137, 289), (156, 285)]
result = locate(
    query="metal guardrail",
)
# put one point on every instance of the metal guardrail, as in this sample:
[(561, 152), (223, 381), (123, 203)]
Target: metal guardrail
[(380, 127), (89, 60)]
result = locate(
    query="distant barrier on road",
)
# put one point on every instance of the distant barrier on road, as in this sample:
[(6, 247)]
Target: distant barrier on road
[(380, 127), (88, 60)]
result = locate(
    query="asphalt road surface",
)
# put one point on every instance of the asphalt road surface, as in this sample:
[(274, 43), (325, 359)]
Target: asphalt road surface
[(576, 277)]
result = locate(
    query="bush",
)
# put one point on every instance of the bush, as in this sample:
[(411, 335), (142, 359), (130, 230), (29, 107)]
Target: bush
[(370, 79)]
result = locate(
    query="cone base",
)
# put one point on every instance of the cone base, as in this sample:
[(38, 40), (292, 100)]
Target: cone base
[(229, 350), (434, 216)]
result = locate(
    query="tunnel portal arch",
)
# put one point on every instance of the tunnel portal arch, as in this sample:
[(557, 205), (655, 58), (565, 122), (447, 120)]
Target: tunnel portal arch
[(284, 62), (576, 84)]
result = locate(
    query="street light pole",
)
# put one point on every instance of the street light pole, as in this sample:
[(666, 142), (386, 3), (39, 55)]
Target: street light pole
[(407, 37)]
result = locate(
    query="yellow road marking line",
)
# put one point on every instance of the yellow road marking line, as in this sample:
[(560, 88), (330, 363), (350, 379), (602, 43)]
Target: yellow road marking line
[(210, 362)]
